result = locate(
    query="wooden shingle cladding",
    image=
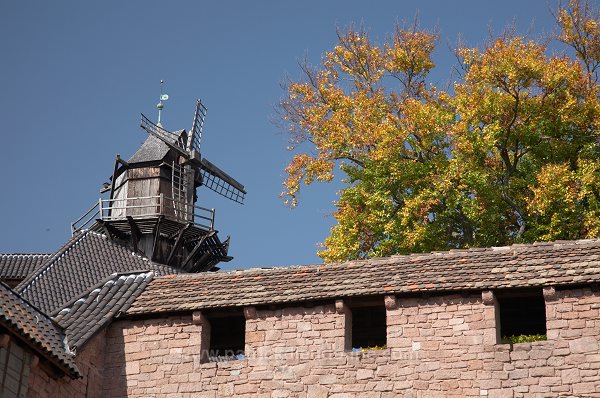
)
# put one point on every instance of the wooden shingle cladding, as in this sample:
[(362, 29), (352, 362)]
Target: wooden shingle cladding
[(517, 266)]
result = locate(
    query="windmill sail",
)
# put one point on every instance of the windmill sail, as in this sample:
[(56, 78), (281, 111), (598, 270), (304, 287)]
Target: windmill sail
[(220, 182), (167, 137), (195, 136), (188, 145)]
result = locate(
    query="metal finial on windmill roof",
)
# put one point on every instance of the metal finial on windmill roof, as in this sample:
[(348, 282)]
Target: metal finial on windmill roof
[(160, 105)]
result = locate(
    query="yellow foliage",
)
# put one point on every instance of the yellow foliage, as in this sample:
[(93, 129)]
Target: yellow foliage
[(510, 154)]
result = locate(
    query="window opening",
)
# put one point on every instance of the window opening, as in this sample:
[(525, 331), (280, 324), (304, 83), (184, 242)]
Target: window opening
[(369, 328), (227, 338), (522, 316)]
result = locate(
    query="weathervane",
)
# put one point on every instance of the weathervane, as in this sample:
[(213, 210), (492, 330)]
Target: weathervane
[(160, 105)]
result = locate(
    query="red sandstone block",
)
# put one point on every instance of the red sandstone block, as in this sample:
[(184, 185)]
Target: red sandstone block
[(445, 374), (446, 315), (147, 338), (304, 335), (175, 343), (146, 384), (410, 332), (500, 393), (537, 353), (151, 329), (129, 338), (332, 333), (443, 332), (564, 306), (246, 388), (550, 381), (542, 372), (584, 345), (430, 345), (136, 356), (132, 347), (443, 323), (426, 332), (169, 388), (490, 384)]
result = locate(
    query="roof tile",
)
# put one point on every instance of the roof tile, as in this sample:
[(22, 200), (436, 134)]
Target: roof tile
[(554, 263), (84, 261), (36, 328), (19, 266), (88, 313)]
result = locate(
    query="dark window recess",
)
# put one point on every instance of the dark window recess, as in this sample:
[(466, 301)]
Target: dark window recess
[(368, 327), (522, 313), (227, 337)]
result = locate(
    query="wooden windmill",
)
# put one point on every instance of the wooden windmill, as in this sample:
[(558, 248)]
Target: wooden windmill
[(152, 202)]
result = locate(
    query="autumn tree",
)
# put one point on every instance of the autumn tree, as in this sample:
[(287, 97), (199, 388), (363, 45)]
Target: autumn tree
[(509, 154)]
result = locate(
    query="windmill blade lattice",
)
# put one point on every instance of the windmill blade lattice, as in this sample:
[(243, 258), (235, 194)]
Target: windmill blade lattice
[(195, 137), (166, 136), (222, 183)]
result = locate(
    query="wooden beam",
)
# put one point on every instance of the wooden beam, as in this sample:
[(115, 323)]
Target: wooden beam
[(195, 250), (135, 233), (177, 243), (204, 257), (109, 229), (211, 264), (124, 163), (156, 238), (114, 177)]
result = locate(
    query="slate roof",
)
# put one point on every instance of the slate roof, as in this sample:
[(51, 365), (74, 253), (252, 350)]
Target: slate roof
[(18, 266), (556, 263), (36, 329), (85, 260), (90, 312)]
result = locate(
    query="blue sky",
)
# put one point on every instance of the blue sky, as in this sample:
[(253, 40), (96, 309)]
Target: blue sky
[(76, 75)]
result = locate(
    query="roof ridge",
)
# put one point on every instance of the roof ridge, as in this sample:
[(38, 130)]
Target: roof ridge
[(95, 308), (572, 263), (48, 317), (375, 261), (26, 283), (66, 358), (25, 254)]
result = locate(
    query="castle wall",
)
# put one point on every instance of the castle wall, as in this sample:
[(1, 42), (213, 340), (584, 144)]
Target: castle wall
[(90, 362), (442, 346)]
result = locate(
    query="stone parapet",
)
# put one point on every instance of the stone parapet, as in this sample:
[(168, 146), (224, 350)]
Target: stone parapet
[(437, 346)]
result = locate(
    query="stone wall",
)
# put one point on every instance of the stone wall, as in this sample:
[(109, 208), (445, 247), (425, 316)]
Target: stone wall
[(90, 362), (155, 357), (442, 346)]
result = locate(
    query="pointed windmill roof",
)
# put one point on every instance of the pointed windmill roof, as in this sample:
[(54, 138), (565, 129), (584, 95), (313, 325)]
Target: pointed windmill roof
[(155, 149), (151, 150)]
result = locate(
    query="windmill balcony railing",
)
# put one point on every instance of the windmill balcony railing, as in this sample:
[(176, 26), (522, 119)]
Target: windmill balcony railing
[(145, 207)]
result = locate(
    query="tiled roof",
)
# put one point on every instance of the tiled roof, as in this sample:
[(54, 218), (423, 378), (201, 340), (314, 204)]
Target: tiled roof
[(557, 263), (36, 329), (18, 266), (84, 261), (87, 314)]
